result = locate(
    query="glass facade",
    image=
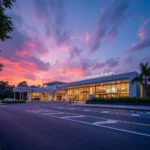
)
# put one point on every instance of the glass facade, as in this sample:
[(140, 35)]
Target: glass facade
[(36, 95), (119, 88)]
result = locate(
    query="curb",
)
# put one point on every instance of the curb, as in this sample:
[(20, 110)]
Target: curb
[(113, 107)]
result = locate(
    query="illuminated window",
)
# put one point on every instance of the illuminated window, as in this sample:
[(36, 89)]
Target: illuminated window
[(106, 89)]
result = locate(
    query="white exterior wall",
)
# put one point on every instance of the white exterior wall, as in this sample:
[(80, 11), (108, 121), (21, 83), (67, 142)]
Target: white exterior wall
[(66, 95), (41, 96), (134, 89), (29, 96), (48, 96)]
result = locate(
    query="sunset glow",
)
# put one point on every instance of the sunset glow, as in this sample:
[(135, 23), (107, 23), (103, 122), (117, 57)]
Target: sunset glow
[(65, 40)]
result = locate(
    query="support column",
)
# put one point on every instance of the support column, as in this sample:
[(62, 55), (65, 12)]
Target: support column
[(29, 96), (41, 96), (14, 95), (48, 96), (20, 95), (55, 97), (51, 97), (66, 95)]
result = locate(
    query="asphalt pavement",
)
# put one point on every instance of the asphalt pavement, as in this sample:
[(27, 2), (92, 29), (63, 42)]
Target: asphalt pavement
[(59, 126)]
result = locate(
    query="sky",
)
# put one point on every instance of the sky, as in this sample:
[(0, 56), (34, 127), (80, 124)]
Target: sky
[(64, 40)]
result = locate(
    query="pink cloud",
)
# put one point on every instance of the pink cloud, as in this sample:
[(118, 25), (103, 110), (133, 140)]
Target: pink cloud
[(31, 44), (142, 33), (71, 71), (16, 71), (23, 53), (87, 37)]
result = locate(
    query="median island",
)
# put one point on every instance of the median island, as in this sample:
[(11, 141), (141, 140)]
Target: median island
[(13, 101)]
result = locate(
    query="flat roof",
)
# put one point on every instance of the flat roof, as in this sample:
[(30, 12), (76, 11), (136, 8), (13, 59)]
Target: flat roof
[(53, 82), (101, 79), (31, 89), (123, 76)]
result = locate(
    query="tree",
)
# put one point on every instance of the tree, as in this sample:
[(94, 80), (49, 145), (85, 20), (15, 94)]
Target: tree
[(23, 83), (6, 90), (1, 67), (6, 25), (3, 85), (144, 77)]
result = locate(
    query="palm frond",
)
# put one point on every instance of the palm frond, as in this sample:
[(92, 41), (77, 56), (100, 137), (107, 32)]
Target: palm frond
[(145, 69), (137, 79)]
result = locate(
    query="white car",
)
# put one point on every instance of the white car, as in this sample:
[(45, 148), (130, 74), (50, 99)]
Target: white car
[(9, 99)]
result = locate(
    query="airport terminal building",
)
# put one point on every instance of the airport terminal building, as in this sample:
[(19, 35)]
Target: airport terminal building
[(106, 87)]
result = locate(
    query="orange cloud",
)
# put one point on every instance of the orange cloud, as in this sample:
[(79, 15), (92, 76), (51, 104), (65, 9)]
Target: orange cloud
[(14, 72), (24, 53)]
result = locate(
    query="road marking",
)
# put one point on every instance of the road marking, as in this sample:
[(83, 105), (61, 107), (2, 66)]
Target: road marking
[(59, 107), (112, 128), (72, 117), (86, 110), (71, 108), (52, 113), (136, 115), (40, 110), (2, 106), (128, 122), (105, 122), (105, 112)]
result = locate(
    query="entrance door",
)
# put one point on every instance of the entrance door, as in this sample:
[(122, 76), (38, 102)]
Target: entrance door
[(59, 97), (45, 98)]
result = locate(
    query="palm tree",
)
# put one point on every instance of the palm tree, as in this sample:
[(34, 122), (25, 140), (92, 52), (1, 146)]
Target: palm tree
[(144, 77)]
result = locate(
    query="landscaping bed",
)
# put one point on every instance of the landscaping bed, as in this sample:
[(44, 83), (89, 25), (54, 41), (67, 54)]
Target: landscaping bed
[(120, 100), (13, 101)]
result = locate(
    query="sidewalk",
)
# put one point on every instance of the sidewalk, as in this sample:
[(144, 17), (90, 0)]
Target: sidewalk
[(112, 106)]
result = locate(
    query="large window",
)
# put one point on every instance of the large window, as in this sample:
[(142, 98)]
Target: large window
[(35, 95), (118, 88)]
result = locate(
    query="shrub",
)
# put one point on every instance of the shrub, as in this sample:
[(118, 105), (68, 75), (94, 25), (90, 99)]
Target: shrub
[(36, 98), (120, 100), (13, 102)]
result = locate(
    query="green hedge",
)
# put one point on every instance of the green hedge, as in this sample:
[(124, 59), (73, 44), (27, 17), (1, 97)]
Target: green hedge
[(120, 100), (13, 102)]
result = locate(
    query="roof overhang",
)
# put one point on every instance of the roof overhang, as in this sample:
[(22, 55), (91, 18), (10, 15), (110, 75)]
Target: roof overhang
[(30, 89)]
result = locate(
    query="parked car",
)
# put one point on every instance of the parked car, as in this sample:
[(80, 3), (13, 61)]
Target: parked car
[(9, 99)]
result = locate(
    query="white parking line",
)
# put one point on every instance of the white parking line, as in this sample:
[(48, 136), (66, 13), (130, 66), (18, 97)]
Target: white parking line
[(105, 122), (72, 117), (136, 115), (52, 113), (86, 110), (59, 107), (112, 128), (105, 112), (98, 125)]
